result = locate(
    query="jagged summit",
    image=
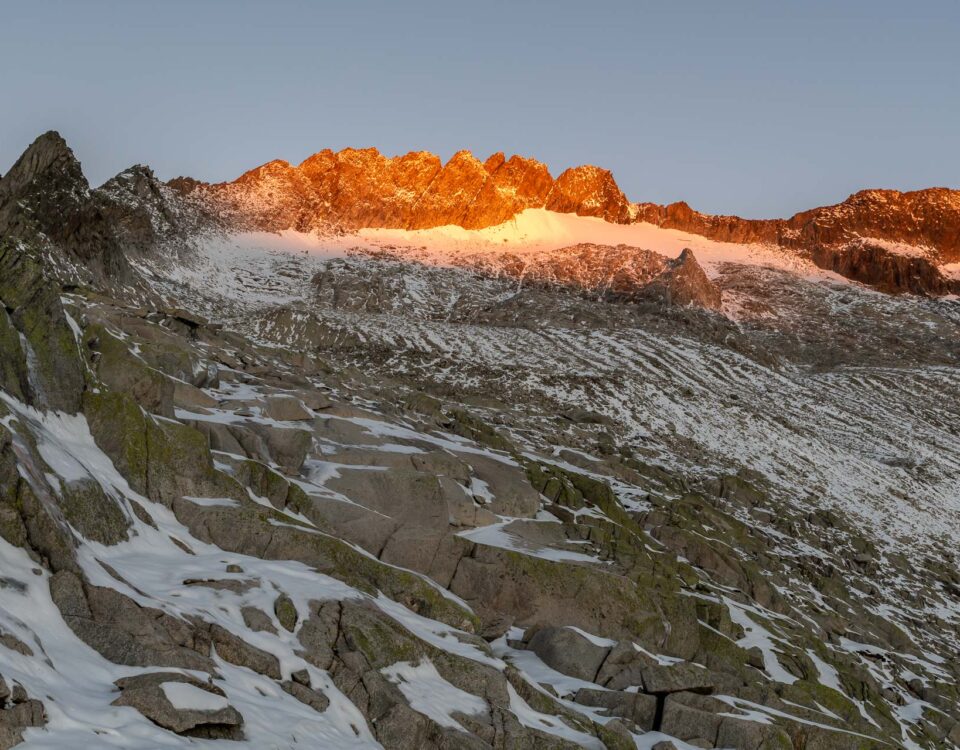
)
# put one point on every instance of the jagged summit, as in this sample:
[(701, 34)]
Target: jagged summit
[(46, 173), (46, 198), (49, 152), (913, 233), (358, 188)]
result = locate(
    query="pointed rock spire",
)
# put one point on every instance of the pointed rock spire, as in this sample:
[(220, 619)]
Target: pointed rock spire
[(683, 283), (45, 197), (48, 154)]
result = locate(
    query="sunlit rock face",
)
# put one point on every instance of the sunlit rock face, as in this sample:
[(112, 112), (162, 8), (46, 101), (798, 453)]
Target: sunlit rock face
[(357, 188), (910, 235), (589, 191)]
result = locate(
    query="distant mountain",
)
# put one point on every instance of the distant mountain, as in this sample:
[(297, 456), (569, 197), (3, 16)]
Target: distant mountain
[(895, 241)]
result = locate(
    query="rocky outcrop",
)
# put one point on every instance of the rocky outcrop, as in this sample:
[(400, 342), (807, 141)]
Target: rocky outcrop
[(514, 184), (682, 283), (589, 191), (39, 354), (620, 273), (923, 218), (159, 696), (604, 271), (18, 712), (721, 228), (142, 212)]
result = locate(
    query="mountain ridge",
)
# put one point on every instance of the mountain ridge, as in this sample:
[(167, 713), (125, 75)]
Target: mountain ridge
[(356, 189), (565, 195)]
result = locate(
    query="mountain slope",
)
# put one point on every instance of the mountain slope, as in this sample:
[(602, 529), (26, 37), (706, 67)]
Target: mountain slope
[(425, 488)]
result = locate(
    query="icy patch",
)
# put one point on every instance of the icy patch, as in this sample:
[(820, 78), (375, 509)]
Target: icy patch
[(213, 502), (495, 535), (427, 692), (596, 640), (548, 723), (436, 633), (535, 670), (758, 636), (828, 674)]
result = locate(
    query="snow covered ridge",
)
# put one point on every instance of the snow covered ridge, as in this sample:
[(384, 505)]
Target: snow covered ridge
[(375, 489)]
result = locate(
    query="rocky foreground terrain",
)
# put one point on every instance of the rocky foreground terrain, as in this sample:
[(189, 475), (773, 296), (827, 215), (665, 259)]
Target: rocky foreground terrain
[(380, 452)]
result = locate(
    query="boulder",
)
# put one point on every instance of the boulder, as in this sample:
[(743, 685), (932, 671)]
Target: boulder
[(287, 446), (569, 652), (186, 396), (307, 695), (287, 409), (286, 612), (692, 717), (181, 704)]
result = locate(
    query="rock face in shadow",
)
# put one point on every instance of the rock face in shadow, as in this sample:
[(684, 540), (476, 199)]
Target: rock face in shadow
[(45, 195), (683, 283)]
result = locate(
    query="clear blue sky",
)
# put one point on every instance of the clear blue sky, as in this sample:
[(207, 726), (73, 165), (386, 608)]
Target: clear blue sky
[(757, 108)]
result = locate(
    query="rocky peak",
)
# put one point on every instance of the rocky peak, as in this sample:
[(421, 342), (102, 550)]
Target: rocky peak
[(47, 159), (276, 169), (46, 178), (138, 180), (46, 198), (140, 209), (493, 162), (589, 191)]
